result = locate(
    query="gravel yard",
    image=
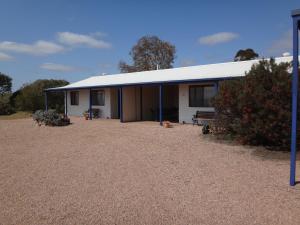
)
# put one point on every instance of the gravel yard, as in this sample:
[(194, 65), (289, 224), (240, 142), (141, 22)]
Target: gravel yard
[(105, 172)]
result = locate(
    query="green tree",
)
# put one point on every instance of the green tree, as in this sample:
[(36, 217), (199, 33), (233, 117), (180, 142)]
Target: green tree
[(256, 109), (244, 55), (5, 107), (31, 96), (5, 93), (5, 84), (148, 53)]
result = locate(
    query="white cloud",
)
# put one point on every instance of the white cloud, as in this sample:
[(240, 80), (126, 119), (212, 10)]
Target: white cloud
[(5, 57), (218, 38), (283, 44), (38, 48), (58, 67), (74, 39)]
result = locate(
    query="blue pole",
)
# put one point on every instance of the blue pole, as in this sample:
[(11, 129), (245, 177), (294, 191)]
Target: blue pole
[(160, 104), (121, 104), (90, 105), (66, 104), (216, 86), (294, 101), (141, 102), (46, 101)]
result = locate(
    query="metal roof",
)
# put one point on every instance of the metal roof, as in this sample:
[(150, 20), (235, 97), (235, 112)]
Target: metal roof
[(296, 12), (175, 75)]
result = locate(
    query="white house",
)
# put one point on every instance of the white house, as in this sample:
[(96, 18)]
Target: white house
[(168, 94)]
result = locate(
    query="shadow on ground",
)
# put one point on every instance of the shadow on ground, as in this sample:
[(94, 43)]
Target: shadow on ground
[(257, 151)]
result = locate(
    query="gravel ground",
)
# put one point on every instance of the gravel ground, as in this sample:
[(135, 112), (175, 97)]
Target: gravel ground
[(104, 172)]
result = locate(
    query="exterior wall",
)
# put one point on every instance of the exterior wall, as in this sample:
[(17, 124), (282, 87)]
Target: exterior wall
[(185, 112), (77, 110), (131, 104), (105, 111), (84, 95)]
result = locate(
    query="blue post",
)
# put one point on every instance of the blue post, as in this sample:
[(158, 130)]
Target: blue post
[(90, 105), (121, 104), (160, 104), (46, 101), (141, 102), (216, 86), (296, 19), (66, 103)]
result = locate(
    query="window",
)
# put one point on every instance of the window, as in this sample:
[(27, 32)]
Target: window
[(200, 95), (98, 97), (74, 97)]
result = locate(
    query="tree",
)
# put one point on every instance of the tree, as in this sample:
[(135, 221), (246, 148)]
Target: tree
[(244, 55), (5, 107), (5, 84), (5, 93), (256, 109), (31, 96), (148, 53)]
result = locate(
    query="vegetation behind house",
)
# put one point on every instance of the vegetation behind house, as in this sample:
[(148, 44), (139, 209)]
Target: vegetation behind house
[(31, 96), (148, 53)]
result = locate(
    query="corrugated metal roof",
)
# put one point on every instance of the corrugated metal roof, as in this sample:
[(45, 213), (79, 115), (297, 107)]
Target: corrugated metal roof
[(181, 74)]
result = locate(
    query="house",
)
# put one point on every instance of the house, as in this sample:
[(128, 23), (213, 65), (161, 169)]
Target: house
[(168, 94)]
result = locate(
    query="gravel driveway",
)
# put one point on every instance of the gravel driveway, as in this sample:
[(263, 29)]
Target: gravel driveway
[(105, 172)]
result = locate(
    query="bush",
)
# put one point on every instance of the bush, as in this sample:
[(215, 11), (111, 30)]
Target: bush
[(256, 109), (5, 107), (50, 118)]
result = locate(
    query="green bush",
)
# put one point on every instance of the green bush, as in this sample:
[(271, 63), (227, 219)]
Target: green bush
[(256, 109), (5, 107), (50, 118)]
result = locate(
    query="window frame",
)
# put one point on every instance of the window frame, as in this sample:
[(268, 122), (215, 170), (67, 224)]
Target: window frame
[(96, 91), (76, 98), (202, 104)]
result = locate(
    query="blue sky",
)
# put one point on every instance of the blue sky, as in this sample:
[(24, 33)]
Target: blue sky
[(74, 39)]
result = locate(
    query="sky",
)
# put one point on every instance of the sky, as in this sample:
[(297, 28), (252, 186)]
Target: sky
[(76, 39)]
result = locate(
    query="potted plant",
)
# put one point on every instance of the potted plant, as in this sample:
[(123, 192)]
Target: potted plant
[(86, 115), (167, 124)]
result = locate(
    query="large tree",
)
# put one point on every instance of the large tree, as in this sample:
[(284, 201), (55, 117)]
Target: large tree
[(247, 54), (149, 53), (31, 96), (5, 84)]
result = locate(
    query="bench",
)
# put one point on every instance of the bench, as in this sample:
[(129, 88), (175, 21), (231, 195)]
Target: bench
[(202, 118)]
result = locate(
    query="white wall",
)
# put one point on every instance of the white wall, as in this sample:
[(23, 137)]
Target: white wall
[(77, 110), (185, 112)]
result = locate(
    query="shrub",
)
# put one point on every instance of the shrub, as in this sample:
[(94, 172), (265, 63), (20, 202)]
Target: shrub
[(50, 118), (256, 109)]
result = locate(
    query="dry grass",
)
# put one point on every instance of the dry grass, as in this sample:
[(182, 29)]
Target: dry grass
[(104, 172), (17, 115)]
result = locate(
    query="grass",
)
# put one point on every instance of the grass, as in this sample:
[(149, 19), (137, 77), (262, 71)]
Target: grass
[(17, 115)]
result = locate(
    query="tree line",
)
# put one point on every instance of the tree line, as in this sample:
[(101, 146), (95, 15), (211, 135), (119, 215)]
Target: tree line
[(30, 97)]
